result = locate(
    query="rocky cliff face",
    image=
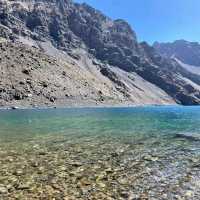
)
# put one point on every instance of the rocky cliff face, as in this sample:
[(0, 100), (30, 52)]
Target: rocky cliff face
[(107, 49), (186, 52)]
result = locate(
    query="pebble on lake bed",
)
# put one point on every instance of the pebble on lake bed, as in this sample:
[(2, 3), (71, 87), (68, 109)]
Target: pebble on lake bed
[(3, 190)]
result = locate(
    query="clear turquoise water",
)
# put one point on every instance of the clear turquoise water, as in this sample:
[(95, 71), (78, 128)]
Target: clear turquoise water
[(99, 121), (138, 144)]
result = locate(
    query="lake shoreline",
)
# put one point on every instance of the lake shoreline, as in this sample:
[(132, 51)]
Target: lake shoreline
[(17, 107)]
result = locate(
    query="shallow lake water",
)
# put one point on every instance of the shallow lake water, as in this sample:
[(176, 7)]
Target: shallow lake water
[(100, 153)]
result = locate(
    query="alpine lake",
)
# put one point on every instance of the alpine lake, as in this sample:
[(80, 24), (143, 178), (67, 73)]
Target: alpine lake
[(132, 153)]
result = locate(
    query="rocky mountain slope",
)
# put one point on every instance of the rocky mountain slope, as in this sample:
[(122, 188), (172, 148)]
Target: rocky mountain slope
[(186, 52), (61, 53), (31, 78)]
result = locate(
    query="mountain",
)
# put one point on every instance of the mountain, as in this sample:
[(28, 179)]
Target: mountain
[(57, 52), (186, 52)]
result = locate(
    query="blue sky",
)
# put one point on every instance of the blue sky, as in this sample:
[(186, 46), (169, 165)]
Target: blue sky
[(155, 20)]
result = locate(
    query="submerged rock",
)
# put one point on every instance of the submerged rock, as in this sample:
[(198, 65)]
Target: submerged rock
[(3, 190), (189, 136), (14, 107)]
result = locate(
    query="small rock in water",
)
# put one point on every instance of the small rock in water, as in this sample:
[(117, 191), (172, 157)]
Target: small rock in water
[(150, 158), (42, 153), (189, 194), (101, 184), (189, 136), (76, 164), (14, 107), (3, 190), (23, 186), (18, 172)]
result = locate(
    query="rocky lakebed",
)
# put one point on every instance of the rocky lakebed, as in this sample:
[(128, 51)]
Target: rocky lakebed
[(104, 153)]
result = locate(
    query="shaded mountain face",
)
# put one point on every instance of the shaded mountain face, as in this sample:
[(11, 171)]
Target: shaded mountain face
[(81, 32), (186, 52)]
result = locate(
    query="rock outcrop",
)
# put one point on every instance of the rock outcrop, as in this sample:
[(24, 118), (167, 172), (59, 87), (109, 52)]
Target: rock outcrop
[(105, 49)]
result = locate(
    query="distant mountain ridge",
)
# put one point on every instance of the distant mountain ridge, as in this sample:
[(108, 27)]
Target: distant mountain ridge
[(187, 52), (105, 49)]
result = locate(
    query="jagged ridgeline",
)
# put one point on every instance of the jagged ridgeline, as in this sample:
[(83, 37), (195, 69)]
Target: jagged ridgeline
[(60, 52), (185, 51)]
